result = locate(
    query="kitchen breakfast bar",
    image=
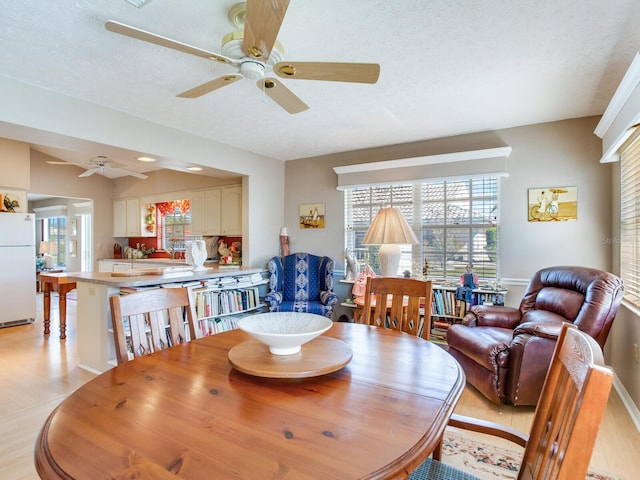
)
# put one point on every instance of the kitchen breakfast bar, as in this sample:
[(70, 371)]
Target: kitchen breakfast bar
[(96, 350)]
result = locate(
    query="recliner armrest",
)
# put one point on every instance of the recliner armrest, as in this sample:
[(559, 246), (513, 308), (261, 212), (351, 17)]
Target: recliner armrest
[(492, 316), (550, 330)]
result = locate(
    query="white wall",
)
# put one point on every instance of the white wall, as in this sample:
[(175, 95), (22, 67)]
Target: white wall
[(551, 154)]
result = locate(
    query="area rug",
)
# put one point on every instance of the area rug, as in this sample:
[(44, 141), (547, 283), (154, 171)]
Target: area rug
[(490, 462)]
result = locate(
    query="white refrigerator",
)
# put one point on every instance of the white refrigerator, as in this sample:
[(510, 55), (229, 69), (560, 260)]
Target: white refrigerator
[(17, 269)]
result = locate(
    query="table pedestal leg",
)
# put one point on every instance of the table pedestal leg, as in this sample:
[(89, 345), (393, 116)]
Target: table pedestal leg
[(62, 303), (47, 308)]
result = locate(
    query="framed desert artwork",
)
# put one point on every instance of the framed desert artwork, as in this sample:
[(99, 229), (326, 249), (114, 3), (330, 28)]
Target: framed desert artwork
[(312, 215), (553, 204)]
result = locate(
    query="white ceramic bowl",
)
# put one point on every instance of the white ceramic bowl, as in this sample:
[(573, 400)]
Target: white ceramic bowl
[(285, 332)]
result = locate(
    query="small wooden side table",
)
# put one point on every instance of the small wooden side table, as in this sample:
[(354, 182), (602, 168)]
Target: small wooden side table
[(39, 286), (56, 282)]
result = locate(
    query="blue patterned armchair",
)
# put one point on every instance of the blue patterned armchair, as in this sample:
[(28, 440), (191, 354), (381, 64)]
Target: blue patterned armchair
[(301, 282)]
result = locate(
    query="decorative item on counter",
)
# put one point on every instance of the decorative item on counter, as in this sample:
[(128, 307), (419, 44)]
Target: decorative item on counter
[(229, 255), (284, 242), (196, 254), (150, 219), (117, 250)]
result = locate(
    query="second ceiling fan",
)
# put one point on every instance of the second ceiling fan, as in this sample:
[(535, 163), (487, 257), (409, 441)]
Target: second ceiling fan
[(103, 166), (255, 52)]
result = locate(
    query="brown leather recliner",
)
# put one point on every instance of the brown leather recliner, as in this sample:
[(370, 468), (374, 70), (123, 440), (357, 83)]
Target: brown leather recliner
[(505, 352)]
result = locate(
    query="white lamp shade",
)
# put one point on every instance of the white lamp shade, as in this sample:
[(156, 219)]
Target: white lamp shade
[(390, 230), (44, 248)]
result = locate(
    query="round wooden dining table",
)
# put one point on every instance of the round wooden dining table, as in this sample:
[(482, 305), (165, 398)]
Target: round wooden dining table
[(185, 412)]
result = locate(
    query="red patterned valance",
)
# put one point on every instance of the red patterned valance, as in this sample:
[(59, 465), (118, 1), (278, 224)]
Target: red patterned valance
[(169, 207)]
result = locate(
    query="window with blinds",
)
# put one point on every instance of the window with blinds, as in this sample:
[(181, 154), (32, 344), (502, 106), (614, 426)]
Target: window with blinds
[(456, 222), (629, 219)]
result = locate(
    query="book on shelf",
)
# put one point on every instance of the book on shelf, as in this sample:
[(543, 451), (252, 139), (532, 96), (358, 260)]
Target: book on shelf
[(256, 277), (244, 282)]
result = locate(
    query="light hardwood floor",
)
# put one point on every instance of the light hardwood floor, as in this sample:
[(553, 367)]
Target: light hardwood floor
[(37, 373)]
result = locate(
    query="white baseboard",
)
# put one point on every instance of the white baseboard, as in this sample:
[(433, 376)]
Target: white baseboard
[(627, 401)]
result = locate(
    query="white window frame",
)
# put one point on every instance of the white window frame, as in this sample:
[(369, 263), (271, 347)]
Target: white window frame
[(481, 202), (630, 219)]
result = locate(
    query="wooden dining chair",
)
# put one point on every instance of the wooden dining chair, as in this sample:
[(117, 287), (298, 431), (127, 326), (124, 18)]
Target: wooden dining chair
[(402, 304), (151, 320), (566, 421)]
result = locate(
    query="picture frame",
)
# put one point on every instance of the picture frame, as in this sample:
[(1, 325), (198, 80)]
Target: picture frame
[(552, 204), (73, 227), (13, 201), (312, 215), (73, 248)]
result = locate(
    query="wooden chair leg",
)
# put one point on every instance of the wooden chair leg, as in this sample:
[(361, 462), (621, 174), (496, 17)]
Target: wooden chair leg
[(437, 452)]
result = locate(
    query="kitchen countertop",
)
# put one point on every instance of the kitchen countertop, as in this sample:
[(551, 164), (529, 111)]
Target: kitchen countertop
[(171, 274)]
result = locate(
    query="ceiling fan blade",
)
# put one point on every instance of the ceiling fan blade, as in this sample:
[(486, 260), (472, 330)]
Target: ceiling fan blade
[(282, 95), (130, 173), (261, 26), (145, 36), (329, 71), (51, 162), (210, 86), (90, 172)]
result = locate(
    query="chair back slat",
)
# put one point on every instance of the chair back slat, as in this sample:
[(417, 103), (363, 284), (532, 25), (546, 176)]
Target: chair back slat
[(150, 320), (402, 304), (568, 415)]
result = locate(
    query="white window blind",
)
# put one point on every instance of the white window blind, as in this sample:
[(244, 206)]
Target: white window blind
[(455, 221), (630, 219)]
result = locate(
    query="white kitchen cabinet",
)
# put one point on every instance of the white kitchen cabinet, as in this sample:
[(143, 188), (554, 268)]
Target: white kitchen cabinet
[(127, 218), (120, 218), (205, 211), (231, 211), (134, 217)]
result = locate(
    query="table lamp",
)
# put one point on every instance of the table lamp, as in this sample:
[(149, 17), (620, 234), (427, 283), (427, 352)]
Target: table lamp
[(46, 249), (389, 229)]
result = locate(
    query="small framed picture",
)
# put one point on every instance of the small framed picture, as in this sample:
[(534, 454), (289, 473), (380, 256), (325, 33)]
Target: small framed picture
[(73, 227), (312, 215), (553, 204), (73, 248)]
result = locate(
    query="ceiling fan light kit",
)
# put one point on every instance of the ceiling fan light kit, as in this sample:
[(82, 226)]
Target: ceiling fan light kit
[(254, 51)]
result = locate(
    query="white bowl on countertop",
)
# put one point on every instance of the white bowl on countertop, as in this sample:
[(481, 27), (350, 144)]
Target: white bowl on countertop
[(285, 332)]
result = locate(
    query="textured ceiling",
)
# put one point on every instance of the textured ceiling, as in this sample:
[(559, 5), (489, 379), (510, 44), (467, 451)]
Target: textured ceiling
[(447, 66)]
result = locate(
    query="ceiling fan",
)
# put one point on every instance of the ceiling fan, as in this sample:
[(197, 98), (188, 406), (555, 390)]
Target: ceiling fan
[(101, 165), (255, 51)]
